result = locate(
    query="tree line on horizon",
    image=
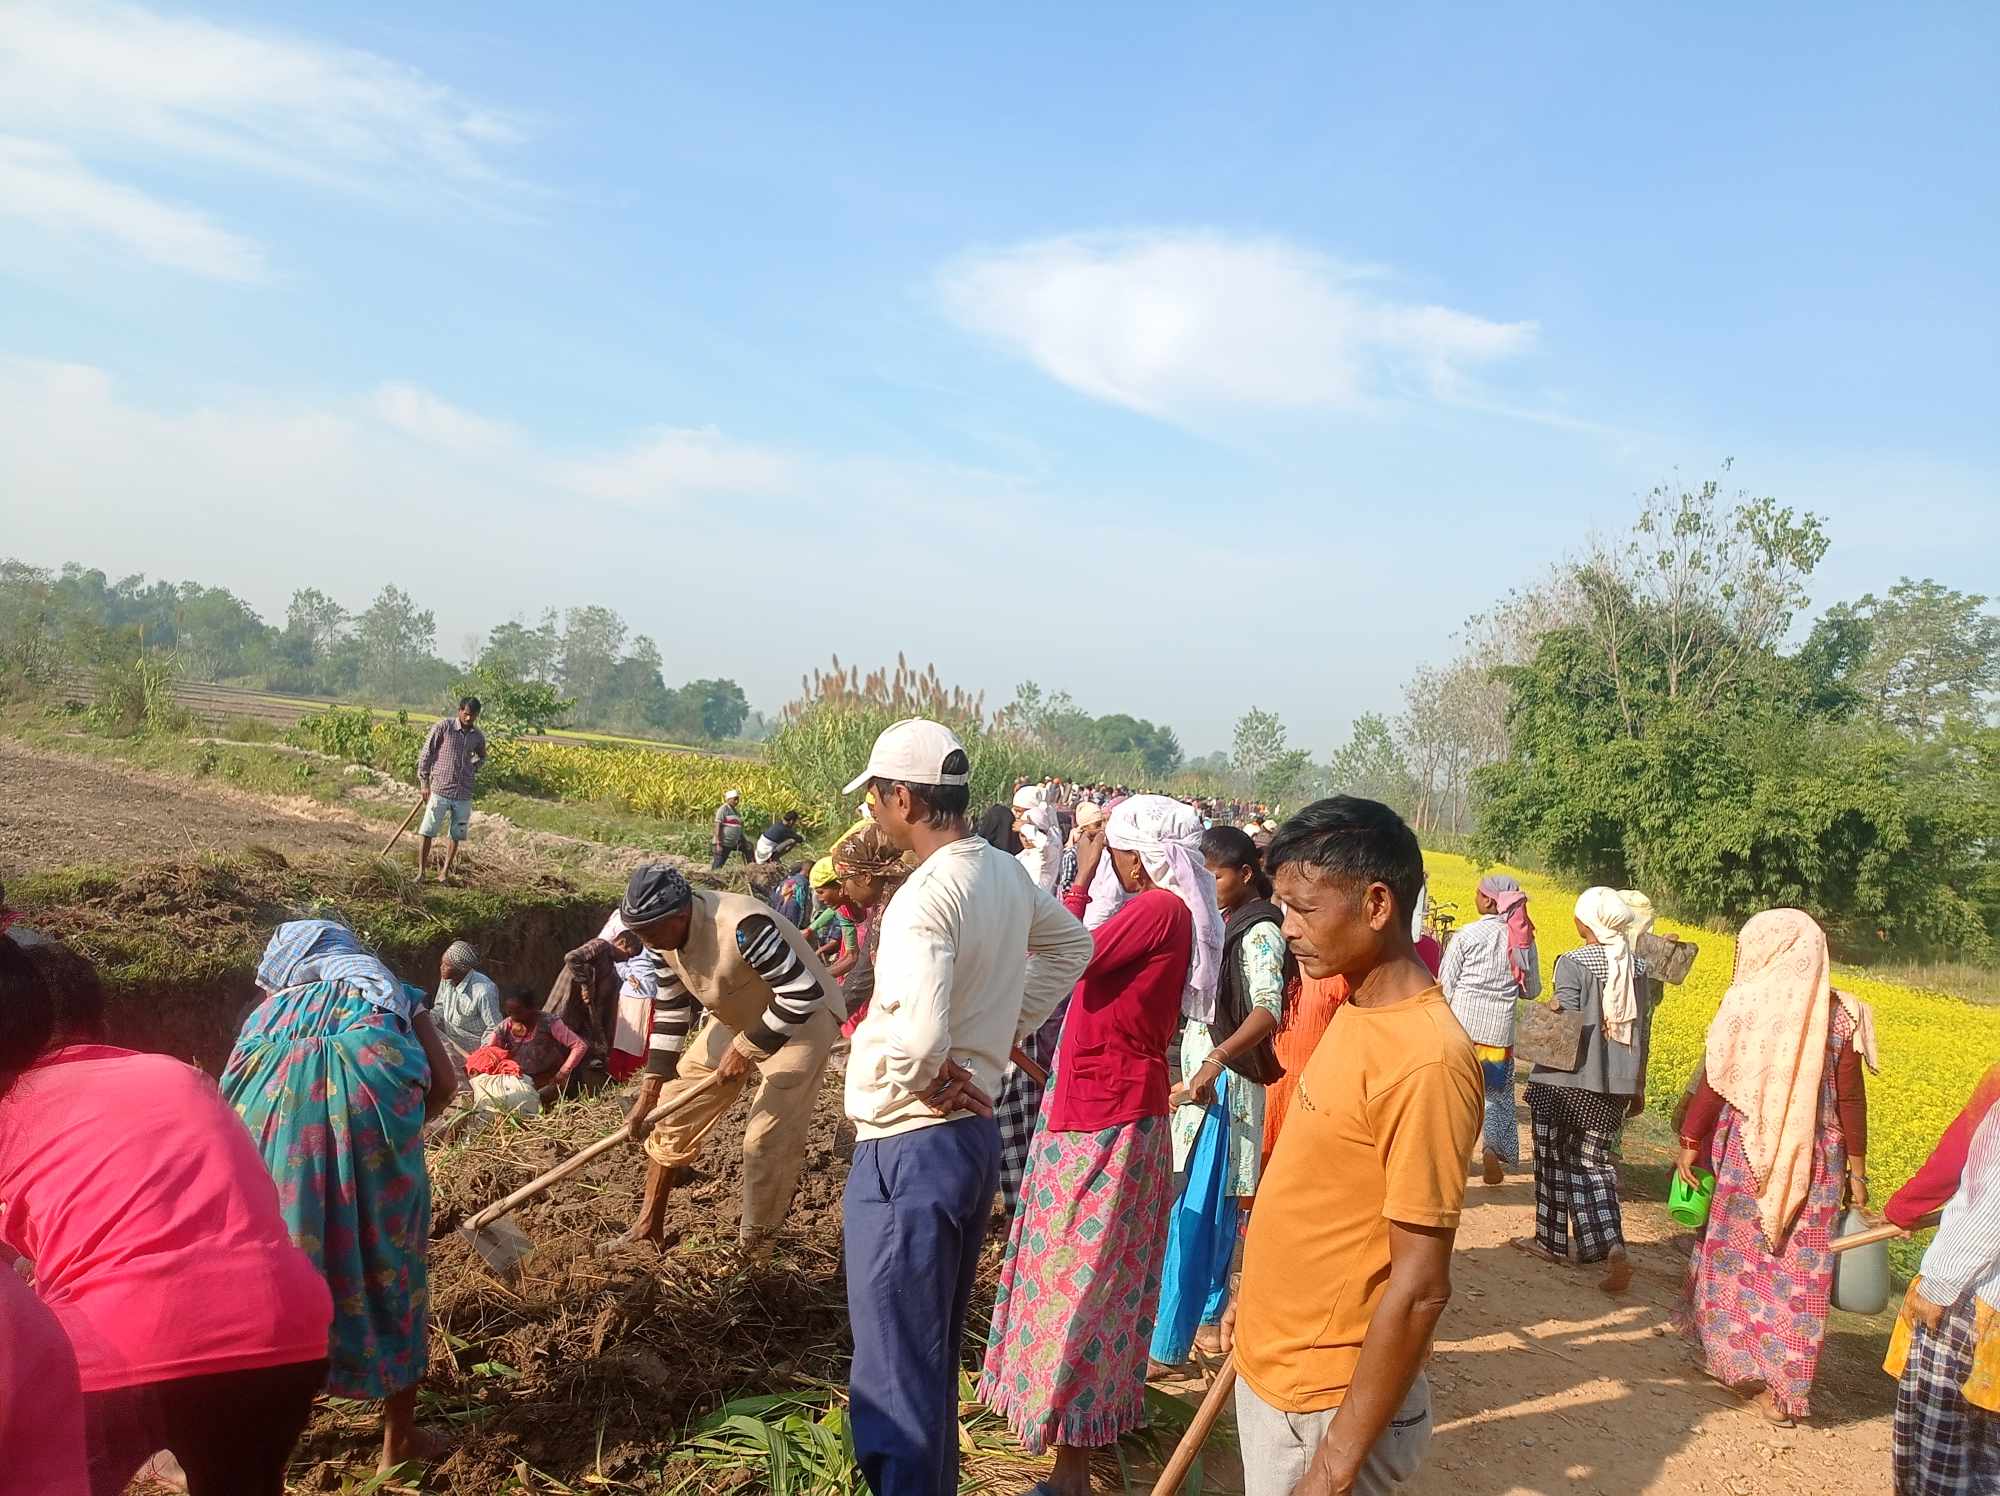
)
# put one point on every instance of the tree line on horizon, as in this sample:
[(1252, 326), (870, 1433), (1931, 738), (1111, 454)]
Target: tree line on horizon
[(582, 668)]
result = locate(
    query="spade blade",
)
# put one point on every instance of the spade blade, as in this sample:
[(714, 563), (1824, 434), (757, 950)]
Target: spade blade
[(503, 1245)]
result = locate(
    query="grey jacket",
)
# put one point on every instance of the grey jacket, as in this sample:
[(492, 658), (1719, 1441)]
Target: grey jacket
[(1608, 1067)]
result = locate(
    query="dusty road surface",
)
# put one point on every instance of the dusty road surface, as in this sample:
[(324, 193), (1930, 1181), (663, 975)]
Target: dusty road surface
[(1544, 1384), (60, 809)]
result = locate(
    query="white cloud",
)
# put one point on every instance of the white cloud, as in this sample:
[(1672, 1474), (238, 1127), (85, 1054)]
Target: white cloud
[(135, 81), (419, 413), (47, 186), (90, 91), (1176, 324), (672, 462)]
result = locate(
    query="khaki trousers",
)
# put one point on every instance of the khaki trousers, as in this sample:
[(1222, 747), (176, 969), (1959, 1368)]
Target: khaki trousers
[(774, 1141)]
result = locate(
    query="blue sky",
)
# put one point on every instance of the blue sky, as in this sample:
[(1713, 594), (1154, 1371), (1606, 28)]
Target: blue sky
[(1187, 360)]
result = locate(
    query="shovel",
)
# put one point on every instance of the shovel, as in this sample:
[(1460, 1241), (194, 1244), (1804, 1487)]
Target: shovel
[(506, 1246)]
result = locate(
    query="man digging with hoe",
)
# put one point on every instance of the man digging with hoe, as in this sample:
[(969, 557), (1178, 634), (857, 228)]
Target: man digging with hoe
[(771, 1008)]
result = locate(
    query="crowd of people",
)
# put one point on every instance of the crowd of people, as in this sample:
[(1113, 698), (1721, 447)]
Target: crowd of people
[(1206, 1073)]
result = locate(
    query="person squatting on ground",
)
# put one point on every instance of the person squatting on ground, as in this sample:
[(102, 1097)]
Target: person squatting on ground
[(1227, 1058), (466, 1005), (954, 991), (1347, 1263), (197, 1325), (1489, 965), (1578, 1113), (1781, 1113), (1066, 1357), (446, 767), (335, 1074), (772, 1010)]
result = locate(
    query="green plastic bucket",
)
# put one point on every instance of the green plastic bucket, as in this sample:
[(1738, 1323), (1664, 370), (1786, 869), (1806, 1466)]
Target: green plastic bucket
[(1689, 1207)]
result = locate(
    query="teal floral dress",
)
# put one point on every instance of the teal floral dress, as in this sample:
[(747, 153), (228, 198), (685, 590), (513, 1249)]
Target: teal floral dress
[(330, 1081)]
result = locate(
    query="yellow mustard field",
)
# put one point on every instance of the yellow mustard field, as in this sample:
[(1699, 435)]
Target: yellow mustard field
[(1933, 1047), (673, 786)]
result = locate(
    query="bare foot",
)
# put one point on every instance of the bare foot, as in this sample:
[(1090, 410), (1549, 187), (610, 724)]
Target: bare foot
[(1617, 1273), (1496, 1172), (1537, 1251), (1159, 1371), (425, 1449)]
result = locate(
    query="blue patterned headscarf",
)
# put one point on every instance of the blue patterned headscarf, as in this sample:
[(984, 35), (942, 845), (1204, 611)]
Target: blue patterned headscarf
[(319, 950)]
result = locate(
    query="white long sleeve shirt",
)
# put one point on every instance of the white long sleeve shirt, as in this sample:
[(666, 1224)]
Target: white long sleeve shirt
[(953, 981), (1965, 1254)]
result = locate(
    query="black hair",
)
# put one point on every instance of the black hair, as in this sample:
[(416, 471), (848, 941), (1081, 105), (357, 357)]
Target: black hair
[(1230, 846), (470, 701), (27, 1014), (791, 817), (76, 997), (942, 803), (1353, 841), (525, 996)]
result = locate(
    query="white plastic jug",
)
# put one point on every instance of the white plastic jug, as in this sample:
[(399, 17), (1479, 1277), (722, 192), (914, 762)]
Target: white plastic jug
[(1861, 1275)]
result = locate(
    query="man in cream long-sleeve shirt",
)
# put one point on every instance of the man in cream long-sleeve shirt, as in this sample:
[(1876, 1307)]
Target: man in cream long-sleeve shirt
[(954, 992)]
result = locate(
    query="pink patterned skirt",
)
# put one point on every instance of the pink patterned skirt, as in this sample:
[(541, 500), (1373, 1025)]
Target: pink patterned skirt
[(1760, 1317), (1066, 1362)]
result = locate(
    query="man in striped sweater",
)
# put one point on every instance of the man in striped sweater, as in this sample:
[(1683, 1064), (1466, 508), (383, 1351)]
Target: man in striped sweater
[(771, 1008)]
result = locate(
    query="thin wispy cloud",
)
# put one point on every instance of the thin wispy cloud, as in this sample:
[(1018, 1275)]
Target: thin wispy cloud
[(1177, 324), (105, 90), (674, 462), (47, 187)]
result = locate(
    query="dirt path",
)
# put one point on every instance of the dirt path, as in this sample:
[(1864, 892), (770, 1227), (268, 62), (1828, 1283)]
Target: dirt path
[(1597, 1395), (62, 809)]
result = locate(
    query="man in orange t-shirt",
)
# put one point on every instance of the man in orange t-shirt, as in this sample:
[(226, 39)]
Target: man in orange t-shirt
[(1347, 1266)]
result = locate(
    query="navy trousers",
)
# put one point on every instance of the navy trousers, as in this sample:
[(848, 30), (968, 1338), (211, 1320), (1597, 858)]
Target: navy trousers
[(914, 1216)]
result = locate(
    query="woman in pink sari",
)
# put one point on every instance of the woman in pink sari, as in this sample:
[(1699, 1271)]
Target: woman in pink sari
[(1783, 1113)]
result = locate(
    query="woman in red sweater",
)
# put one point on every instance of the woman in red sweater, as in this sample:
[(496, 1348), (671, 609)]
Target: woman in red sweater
[(1066, 1361)]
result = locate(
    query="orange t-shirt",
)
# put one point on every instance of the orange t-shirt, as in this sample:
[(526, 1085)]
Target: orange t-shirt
[(1385, 1116)]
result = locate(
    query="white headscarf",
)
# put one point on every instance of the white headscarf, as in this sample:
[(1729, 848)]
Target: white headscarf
[(1611, 920), (1166, 835), (1642, 911), (1042, 834)]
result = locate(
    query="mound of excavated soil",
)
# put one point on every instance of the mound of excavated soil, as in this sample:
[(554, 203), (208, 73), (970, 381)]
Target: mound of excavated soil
[(593, 1363)]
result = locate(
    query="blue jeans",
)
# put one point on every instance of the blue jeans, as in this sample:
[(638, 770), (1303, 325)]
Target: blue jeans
[(914, 1217)]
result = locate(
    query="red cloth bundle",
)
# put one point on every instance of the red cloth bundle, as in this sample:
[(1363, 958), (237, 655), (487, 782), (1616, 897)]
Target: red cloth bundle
[(491, 1059)]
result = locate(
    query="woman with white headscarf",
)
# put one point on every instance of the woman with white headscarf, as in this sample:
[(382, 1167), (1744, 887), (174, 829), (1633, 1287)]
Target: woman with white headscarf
[(1066, 1360), (1577, 1113), (1041, 835)]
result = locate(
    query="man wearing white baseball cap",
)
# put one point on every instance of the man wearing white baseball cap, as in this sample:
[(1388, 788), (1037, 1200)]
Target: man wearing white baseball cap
[(954, 992)]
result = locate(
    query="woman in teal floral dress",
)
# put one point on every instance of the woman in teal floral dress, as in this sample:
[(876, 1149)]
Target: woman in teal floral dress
[(334, 1074)]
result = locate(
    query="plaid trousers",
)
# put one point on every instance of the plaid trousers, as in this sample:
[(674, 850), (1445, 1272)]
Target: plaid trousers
[(1576, 1180), (1019, 1104), (1940, 1444)]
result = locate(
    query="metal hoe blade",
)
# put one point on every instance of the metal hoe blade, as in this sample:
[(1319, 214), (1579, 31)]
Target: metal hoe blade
[(503, 1245)]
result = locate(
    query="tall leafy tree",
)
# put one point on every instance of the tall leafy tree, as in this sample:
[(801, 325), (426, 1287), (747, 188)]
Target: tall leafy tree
[(1933, 655)]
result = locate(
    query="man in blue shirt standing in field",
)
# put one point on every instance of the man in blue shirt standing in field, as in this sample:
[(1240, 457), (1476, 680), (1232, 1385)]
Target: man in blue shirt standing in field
[(451, 757)]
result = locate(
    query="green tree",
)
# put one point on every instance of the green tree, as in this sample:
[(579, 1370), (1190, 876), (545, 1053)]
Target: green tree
[(593, 640), (510, 706), (397, 642), (1933, 655), (1371, 765), (523, 653), (1260, 738)]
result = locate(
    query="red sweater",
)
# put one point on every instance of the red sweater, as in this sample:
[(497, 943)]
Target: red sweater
[(1112, 1065), (1932, 1186)]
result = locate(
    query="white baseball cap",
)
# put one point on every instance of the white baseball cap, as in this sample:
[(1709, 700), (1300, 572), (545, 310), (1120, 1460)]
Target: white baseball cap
[(913, 752)]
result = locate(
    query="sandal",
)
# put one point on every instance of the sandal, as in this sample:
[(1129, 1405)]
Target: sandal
[(1537, 1251)]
